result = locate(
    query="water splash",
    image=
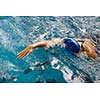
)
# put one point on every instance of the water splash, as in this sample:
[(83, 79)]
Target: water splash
[(16, 33)]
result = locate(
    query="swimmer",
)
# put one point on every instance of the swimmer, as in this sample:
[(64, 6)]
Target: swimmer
[(73, 46)]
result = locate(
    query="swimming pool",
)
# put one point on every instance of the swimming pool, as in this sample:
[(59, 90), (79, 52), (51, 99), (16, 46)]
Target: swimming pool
[(17, 32)]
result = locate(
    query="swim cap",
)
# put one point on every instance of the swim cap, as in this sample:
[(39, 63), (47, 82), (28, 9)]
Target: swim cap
[(71, 45)]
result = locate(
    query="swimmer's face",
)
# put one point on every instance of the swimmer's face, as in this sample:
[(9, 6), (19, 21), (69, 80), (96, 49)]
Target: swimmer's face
[(81, 45)]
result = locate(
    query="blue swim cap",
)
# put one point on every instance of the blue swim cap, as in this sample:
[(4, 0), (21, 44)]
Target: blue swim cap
[(71, 45)]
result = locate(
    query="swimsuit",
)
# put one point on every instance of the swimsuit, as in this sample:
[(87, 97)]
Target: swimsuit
[(71, 45)]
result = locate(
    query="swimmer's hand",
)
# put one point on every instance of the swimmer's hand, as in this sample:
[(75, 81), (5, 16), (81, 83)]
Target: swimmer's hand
[(25, 52), (28, 50)]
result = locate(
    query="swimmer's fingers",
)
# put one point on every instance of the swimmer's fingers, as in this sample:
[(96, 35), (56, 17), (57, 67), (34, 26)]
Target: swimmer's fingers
[(19, 54), (91, 42), (25, 52), (90, 45), (94, 42), (22, 53)]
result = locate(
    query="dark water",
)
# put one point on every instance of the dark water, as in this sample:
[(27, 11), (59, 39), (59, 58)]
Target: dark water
[(16, 33)]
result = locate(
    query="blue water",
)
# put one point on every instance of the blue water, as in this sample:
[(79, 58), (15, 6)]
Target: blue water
[(17, 32)]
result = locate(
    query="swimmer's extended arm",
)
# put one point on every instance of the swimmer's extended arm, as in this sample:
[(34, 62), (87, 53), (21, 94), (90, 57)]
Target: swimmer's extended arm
[(29, 49)]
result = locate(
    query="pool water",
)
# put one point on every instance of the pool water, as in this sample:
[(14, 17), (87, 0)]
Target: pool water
[(17, 32)]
